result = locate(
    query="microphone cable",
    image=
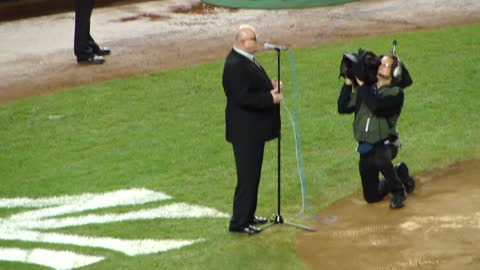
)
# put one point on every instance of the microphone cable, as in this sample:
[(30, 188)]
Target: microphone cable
[(306, 211)]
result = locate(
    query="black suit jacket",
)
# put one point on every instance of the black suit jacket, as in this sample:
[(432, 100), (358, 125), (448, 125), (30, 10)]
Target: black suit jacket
[(250, 114)]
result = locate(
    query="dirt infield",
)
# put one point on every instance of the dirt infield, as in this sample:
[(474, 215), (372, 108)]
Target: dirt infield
[(438, 229)]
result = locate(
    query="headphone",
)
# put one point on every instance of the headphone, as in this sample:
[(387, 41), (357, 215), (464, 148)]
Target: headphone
[(397, 71)]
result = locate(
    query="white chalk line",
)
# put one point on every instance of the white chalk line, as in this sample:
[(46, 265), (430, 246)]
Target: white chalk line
[(23, 226), (177, 210), (76, 204), (63, 259), (128, 247)]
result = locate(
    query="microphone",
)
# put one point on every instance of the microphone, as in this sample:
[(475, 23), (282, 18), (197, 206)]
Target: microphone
[(394, 50), (268, 46)]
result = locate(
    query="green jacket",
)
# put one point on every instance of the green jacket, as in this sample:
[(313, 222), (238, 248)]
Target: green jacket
[(376, 112)]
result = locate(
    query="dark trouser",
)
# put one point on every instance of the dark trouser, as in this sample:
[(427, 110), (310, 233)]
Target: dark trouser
[(84, 44), (379, 160), (248, 161)]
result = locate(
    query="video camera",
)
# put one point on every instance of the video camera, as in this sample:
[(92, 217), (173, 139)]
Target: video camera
[(363, 65)]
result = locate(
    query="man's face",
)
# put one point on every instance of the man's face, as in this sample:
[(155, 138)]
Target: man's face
[(385, 68), (250, 41)]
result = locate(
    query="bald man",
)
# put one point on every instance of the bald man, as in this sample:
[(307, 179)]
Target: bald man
[(251, 118)]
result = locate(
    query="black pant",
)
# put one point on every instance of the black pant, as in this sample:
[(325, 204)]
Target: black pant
[(84, 45), (379, 160), (248, 161)]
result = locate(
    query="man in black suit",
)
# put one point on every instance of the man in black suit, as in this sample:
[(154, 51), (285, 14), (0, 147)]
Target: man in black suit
[(85, 48), (251, 118)]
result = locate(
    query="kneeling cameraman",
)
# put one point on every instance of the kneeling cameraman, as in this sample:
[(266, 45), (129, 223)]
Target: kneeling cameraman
[(372, 91)]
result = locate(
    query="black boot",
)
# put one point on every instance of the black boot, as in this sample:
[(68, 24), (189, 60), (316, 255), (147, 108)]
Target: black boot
[(398, 199), (407, 180)]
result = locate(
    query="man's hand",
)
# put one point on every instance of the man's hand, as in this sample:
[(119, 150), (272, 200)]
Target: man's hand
[(360, 82), (348, 81), (277, 97), (275, 84)]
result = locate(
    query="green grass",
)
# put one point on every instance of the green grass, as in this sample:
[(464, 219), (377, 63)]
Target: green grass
[(165, 132)]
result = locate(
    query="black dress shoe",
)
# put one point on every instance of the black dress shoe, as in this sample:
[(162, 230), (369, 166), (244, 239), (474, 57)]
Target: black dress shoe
[(92, 60), (251, 230), (259, 220), (101, 51)]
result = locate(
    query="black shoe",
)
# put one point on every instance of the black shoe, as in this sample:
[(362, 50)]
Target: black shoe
[(407, 180), (101, 51), (259, 220), (251, 230), (92, 60), (409, 184), (398, 200)]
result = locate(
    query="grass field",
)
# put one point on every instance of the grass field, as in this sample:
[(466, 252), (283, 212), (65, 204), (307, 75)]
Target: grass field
[(165, 132)]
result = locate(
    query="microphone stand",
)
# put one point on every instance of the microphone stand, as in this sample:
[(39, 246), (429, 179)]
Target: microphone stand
[(278, 217)]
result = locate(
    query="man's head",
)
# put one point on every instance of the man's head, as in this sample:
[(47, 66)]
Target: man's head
[(246, 39), (387, 68)]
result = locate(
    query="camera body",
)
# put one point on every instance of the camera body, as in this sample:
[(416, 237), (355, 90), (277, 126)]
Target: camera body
[(362, 65)]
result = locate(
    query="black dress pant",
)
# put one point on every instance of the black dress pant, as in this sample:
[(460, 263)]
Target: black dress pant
[(248, 161), (84, 45), (379, 160)]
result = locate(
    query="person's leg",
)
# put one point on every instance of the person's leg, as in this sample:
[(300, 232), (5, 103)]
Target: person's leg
[(83, 12), (372, 190), (92, 43), (383, 161), (248, 161), (97, 50)]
